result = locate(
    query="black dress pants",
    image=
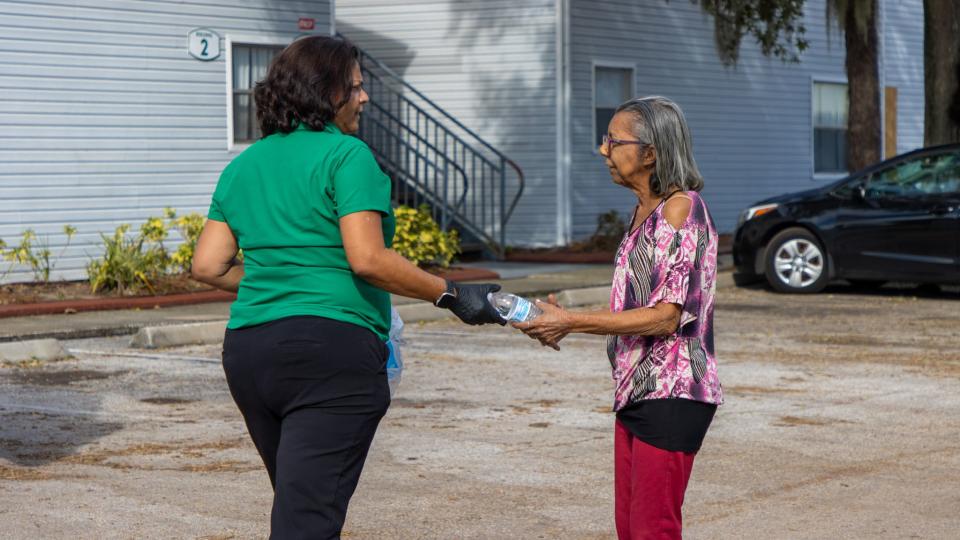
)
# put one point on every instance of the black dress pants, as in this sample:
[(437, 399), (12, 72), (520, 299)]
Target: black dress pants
[(312, 392)]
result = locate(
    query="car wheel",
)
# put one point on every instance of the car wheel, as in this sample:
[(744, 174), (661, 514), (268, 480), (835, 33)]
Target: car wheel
[(796, 262)]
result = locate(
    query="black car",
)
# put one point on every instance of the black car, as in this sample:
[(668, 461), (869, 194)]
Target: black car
[(898, 220)]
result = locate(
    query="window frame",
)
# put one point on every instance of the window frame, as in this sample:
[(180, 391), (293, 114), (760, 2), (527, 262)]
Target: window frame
[(244, 39), (612, 64), (824, 176)]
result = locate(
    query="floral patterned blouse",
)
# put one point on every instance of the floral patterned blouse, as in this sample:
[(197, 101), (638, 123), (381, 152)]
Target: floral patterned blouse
[(658, 263)]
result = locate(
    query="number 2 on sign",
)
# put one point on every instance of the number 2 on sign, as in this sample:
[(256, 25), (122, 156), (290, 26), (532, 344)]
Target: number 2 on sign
[(204, 43)]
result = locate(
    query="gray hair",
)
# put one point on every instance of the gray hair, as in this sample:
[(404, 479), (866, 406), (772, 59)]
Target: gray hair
[(659, 122)]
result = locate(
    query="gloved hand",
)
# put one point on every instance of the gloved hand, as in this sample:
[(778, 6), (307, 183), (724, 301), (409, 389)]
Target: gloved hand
[(472, 306)]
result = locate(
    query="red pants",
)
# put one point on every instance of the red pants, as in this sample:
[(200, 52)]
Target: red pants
[(649, 484)]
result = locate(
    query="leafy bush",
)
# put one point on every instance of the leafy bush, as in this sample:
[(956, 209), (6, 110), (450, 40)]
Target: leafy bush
[(610, 230), (189, 227), (3, 255), (420, 239), (34, 251), (125, 265), (130, 263)]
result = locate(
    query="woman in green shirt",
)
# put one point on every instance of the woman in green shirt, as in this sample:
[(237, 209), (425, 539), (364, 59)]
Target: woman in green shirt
[(304, 352)]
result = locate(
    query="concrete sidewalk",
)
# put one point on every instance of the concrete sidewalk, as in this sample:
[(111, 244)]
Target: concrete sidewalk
[(525, 279), (579, 285)]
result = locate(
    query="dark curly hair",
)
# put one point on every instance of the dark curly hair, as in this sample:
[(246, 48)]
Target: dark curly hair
[(307, 83)]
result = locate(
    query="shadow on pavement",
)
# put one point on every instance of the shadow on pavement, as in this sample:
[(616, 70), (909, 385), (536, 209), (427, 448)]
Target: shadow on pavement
[(41, 421), (936, 292)]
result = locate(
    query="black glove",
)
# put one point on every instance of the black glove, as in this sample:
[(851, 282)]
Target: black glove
[(472, 306)]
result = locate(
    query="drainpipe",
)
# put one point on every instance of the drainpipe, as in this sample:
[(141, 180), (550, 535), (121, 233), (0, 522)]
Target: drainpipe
[(562, 59)]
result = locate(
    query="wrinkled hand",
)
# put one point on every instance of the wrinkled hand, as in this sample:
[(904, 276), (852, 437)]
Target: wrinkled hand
[(550, 327), (472, 306)]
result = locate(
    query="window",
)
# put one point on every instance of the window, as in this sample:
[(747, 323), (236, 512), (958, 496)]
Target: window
[(829, 127), (920, 177), (611, 87), (250, 63)]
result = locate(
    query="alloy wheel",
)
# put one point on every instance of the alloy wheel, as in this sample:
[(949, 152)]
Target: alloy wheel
[(799, 263)]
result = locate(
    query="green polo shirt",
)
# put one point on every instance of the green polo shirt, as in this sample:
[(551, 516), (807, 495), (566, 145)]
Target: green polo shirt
[(283, 198)]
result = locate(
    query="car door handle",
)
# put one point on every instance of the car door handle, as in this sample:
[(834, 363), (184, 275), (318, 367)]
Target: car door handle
[(943, 209)]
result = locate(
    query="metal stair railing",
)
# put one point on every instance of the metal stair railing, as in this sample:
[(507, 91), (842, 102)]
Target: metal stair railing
[(434, 158), (415, 187)]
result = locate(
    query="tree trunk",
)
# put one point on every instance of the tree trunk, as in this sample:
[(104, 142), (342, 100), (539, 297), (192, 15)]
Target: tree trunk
[(863, 77), (941, 71)]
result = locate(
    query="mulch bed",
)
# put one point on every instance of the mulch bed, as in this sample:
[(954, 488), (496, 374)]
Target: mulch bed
[(25, 299), (31, 293)]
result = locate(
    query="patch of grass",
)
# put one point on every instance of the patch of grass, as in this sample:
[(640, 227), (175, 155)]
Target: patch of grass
[(23, 474), (23, 364), (798, 421)]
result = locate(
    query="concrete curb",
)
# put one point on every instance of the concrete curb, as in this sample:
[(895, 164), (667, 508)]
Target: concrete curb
[(154, 337), (84, 333), (178, 299), (36, 349), (109, 304), (584, 297), (422, 312)]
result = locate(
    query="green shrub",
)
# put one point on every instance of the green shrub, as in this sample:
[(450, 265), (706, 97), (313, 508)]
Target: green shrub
[(125, 265), (420, 239), (189, 227), (34, 251), (130, 263), (3, 255)]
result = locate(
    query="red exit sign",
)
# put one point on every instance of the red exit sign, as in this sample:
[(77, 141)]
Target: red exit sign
[(306, 23)]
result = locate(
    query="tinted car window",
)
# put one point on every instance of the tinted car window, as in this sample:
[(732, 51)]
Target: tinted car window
[(948, 179), (919, 177)]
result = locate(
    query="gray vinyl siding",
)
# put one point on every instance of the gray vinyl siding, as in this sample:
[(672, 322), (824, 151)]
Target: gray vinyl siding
[(107, 119), (492, 65), (752, 125), (903, 67)]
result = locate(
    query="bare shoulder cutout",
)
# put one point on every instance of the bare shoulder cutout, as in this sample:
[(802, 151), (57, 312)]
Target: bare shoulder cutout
[(676, 210)]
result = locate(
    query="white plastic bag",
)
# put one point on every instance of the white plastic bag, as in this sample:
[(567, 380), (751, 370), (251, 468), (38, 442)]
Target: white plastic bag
[(395, 360)]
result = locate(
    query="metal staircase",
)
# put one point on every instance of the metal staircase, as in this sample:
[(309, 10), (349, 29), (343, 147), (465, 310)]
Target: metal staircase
[(434, 159)]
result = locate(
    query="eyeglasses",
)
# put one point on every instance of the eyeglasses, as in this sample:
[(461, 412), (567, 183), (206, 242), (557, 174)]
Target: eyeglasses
[(609, 142)]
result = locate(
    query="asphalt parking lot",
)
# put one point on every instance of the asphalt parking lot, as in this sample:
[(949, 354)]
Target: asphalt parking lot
[(841, 422)]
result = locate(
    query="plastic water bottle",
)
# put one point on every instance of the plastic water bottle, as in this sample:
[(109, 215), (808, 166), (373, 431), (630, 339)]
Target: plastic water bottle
[(514, 308), (395, 360)]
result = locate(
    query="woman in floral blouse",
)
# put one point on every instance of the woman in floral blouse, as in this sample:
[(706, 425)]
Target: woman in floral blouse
[(660, 322)]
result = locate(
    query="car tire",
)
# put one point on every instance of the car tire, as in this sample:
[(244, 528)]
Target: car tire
[(795, 262)]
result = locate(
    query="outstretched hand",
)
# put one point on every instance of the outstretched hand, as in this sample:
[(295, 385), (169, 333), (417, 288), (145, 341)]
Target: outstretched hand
[(472, 306), (550, 327)]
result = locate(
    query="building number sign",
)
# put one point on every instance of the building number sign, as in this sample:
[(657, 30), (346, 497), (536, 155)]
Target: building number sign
[(203, 44)]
